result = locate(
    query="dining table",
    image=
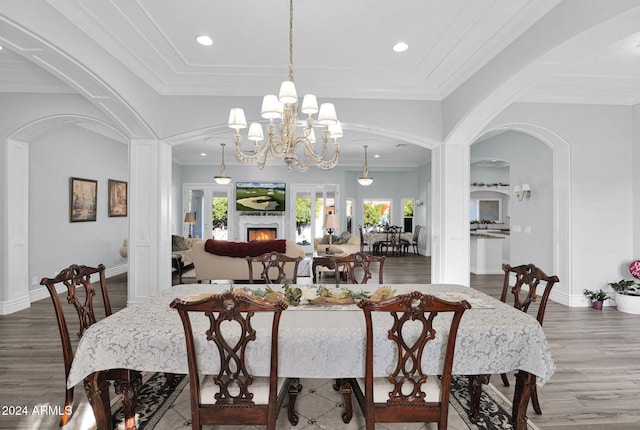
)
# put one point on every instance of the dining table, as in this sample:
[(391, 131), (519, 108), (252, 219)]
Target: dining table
[(315, 341)]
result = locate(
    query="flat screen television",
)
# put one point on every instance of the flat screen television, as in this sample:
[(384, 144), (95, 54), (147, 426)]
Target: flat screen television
[(260, 196)]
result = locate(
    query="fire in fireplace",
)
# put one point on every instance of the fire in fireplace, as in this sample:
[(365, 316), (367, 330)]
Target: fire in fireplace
[(261, 233)]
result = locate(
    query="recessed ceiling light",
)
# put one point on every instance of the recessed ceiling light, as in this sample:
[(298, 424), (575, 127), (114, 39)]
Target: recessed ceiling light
[(376, 156), (400, 47), (204, 40), (0, 47), (203, 154)]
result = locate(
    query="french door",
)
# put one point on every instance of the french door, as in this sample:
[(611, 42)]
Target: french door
[(212, 207)]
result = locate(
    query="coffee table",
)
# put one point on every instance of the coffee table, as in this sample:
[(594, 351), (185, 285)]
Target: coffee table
[(322, 259)]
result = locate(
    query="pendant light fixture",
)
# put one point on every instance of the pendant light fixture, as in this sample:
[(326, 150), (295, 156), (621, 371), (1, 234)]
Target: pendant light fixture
[(222, 179), (365, 180)]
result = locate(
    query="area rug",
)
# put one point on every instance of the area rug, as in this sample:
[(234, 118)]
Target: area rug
[(154, 399), (157, 397), (495, 409)]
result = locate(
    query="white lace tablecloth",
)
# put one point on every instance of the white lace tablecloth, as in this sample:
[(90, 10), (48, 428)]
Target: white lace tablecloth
[(314, 343)]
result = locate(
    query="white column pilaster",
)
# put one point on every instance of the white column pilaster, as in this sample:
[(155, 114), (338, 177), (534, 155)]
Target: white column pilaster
[(450, 203), (149, 230)]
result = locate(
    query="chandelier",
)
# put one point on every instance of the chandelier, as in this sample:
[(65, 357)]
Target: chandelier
[(295, 150)]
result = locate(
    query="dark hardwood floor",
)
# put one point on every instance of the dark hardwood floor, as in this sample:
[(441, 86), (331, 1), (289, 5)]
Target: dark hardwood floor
[(597, 354)]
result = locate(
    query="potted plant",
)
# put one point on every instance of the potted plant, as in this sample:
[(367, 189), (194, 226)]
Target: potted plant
[(597, 298), (627, 296)]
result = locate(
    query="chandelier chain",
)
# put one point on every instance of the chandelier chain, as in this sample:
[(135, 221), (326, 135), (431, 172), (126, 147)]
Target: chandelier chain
[(291, 40)]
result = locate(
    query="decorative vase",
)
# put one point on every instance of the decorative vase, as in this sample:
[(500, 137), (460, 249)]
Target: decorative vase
[(597, 304), (628, 304)]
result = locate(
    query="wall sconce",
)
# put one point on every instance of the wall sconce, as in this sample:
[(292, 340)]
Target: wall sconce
[(522, 192), (419, 203)]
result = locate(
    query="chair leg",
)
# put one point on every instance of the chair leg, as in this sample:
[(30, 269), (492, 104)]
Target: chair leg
[(348, 405), (505, 379), (534, 399), (475, 390), (68, 407), (129, 391), (294, 389)]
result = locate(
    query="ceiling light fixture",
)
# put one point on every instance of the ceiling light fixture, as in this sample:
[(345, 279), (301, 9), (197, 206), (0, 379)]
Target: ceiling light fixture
[(294, 150), (222, 179), (204, 40), (365, 180), (400, 47)]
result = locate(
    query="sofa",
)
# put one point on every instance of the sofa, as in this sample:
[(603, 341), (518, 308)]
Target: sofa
[(345, 243), (209, 265)]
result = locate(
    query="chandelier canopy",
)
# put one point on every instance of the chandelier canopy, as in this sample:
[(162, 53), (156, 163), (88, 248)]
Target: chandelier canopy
[(295, 150)]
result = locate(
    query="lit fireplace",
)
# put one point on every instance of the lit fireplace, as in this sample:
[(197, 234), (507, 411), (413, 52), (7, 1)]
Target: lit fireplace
[(261, 233)]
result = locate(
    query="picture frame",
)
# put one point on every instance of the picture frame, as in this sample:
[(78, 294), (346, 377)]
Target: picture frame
[(83, 200), (118, 198)]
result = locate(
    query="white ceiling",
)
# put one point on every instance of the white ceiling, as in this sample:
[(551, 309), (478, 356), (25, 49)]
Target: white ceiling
[(342, 49)]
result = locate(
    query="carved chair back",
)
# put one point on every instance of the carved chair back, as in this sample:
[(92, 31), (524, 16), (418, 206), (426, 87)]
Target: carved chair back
[(356, 268), (229, 328), (80, 293), (273, 263), (531, 276), (406, 399)]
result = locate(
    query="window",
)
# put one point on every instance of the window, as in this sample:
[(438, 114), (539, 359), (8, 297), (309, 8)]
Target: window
[(377, 212)]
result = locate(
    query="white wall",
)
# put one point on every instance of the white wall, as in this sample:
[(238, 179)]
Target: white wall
[(54, 242), (600, 139)]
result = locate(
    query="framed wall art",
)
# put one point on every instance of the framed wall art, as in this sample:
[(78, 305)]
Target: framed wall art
[(117, 198), (83, 200)]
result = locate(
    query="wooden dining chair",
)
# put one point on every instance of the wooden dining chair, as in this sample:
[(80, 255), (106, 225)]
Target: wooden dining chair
[(273, 267), (356, 268), (407, 394), (393, 241), (80, 293), (363, 242), (233, 395), (525, 276), (530, 276), (414, 239)]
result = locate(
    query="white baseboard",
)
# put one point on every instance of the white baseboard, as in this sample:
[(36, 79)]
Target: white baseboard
[(11, 306), (40, 292)]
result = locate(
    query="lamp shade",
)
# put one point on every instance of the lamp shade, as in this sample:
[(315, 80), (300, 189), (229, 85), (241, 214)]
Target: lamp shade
[(331, 221), (288, 94), (190, 217), (365, 181), (517, 189), (271, 107), (237, 119), (222, 180), (526, 187), (335, 130), (309, 104), (327, 114), (255, 132)]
